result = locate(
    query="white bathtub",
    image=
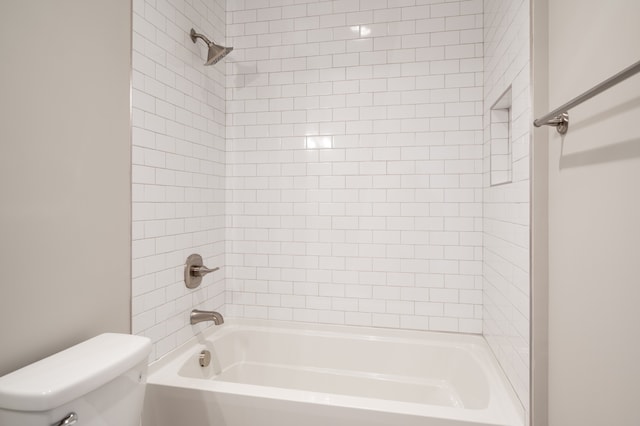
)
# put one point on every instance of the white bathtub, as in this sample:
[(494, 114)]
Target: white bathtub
[(266, 373)]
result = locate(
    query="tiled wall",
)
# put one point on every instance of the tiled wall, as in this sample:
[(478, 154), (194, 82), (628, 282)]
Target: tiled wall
[(354, 154), (178, 166), (357, 166), (506, 207)]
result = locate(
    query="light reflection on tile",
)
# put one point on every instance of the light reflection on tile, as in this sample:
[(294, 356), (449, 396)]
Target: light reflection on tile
[(319, 142)]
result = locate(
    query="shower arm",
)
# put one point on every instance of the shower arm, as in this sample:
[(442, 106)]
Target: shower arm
[(194, 35)]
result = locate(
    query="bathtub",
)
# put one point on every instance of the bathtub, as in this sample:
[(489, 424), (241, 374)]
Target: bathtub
[(266, 373)]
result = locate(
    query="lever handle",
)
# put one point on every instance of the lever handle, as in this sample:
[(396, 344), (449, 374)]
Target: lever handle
[(71, 419), (201, 271), (194, 270)]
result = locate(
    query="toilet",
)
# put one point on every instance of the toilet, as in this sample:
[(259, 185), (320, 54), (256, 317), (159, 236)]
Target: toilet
[(99, 382)]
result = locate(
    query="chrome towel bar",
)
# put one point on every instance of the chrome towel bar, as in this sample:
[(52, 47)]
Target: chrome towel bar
[(559, 117)]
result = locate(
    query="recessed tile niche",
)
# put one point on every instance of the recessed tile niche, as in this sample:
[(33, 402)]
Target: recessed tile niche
[(500, 156)]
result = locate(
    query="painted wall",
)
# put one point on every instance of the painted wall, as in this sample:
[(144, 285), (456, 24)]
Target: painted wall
[(65, 190), (506, 207), (354, 139), (539, 218), (178, 166), (594, 205)]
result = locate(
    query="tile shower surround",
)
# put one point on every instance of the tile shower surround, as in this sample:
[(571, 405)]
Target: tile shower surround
[(506, 207), (333, 164), (178, 166), (354, 162)]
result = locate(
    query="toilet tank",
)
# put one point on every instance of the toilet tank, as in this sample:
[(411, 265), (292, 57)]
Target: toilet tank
[(101, 381)]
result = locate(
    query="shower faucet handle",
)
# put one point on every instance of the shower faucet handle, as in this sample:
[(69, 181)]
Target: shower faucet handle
[(194, 270), (201, 271)]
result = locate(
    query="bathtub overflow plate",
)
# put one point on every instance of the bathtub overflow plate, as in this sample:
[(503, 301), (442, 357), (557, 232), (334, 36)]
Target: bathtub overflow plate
[(204, 358)]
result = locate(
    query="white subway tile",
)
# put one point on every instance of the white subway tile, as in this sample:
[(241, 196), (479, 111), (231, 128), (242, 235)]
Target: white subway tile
[(346, 222)]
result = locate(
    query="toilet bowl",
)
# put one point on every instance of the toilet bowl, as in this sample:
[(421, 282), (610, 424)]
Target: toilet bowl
[(99, 382)]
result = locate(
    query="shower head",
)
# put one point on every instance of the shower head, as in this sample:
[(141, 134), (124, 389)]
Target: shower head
[(216, 52)]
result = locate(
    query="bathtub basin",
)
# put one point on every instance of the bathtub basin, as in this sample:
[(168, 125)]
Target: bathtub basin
[(278, 373)]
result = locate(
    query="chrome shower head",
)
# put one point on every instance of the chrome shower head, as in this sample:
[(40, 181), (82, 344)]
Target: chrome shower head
[(216, 52)]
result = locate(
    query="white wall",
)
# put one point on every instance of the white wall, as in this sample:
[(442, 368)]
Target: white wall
[(178, 166), (65, 245), (506, 207), (594, 206), (354, 138)]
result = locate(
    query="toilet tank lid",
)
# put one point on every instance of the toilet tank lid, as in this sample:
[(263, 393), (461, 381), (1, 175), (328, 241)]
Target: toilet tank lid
[(73, 372)]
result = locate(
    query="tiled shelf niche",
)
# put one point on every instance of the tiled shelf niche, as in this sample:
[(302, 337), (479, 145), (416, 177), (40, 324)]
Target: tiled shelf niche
[(500, 155)]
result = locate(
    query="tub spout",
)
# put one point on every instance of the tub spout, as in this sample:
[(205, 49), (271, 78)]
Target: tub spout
[(199, 316)]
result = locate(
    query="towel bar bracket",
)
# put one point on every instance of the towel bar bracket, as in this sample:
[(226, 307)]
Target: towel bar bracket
[(561, 123)]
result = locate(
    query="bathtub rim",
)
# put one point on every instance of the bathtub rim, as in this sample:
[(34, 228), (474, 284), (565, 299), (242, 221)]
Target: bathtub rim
[(503, 403)]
